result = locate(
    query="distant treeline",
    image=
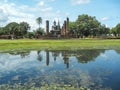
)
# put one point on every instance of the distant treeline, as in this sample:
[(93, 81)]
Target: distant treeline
[(84, 26), (88, 26)]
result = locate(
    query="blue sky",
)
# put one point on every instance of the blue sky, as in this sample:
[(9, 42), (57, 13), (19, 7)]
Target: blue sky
[(106, 11)]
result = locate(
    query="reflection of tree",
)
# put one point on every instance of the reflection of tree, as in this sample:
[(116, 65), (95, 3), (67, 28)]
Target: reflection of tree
[(38, 52), (39, 57), (118, 51), (23, 54), (84, 56)]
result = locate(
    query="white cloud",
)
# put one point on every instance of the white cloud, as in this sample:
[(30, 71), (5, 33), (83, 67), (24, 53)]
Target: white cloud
[(41, 3), (104, 56), (46, 9), (13, 62), (3, 16), (75, 2), (105, 18), (10, 12)]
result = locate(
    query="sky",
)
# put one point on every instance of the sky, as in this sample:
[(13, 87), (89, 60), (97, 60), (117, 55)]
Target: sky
[(106, 11)]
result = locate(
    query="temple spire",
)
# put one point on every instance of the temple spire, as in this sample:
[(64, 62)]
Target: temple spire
[(58, 27)]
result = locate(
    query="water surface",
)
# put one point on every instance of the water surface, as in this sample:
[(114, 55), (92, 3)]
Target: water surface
[(95, 69)]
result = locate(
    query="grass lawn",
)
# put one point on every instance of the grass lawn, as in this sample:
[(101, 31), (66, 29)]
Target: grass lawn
[(60, 44)]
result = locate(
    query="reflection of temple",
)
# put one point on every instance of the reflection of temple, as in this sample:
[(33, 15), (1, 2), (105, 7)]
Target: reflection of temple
[(55, 54), (47, 58), (58, 31), (66, 59), (83, 56)]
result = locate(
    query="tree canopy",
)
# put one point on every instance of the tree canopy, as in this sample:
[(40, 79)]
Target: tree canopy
[(15, 30), (24, 27), (116, 30), (86, 25)]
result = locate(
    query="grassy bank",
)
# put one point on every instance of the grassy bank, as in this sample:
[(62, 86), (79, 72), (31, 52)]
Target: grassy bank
[(60, 44)]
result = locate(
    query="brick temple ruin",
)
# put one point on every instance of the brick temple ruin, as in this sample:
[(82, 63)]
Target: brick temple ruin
[(58, 31)]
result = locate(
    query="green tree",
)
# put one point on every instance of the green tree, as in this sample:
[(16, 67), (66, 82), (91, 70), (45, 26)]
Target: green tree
[(87, 25), (30, 35), (24, 27), (39, 21), (39, 32), (72, 28), (103, 30), (116, 30), (113, 31), (2, 31), (12, 29)]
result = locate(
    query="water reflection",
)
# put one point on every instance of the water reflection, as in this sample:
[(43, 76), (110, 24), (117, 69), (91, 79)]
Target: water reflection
[(82, 56), (89, 68), (23, 54)]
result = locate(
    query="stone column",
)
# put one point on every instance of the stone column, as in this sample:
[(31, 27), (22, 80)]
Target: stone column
[(62, 31), (65, 24), (67, 27), (47, 27)]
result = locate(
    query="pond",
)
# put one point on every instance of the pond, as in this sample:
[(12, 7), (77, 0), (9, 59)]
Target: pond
[(93, 69)]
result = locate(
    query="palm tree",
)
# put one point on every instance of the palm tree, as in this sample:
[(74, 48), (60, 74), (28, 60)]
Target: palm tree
[(39, 21)]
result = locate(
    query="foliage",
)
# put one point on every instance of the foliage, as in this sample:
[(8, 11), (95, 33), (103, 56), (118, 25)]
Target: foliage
[(113, 31), (87, 26), (24, 27), (15, 30), (12, 29), (30, 35), (116, 30), (103, 30), (2, 31), (39, 32), (72, 27)]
